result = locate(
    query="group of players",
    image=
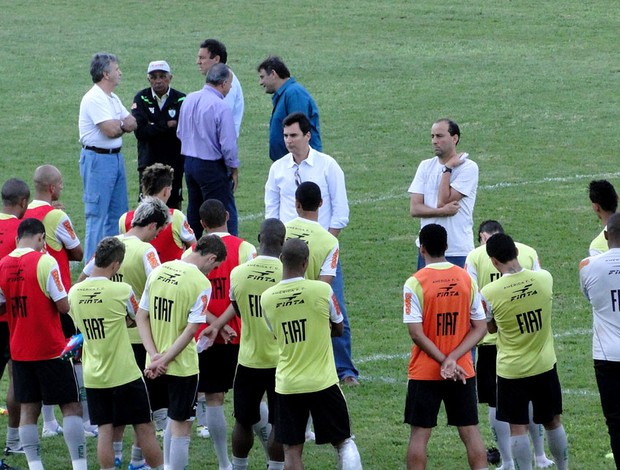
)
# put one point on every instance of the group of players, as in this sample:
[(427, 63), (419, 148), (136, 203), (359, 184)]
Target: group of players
[(146, 294)]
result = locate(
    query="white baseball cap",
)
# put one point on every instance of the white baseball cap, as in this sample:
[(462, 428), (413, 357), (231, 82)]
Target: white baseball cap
[(156, 65)]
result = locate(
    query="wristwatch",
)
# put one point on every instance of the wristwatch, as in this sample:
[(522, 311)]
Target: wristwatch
[(447, 170)]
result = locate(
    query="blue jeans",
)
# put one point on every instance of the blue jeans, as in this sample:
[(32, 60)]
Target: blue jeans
[(342, 344), (208, 180), (458, 260), (105, 196)]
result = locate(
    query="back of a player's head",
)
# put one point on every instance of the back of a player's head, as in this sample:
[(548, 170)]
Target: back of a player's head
[(218, 74), (30, 228), (308, 194), (272, 63), (272, 233), (613, 229), (213, 213), (434, 239), (14, 191), (294, 253), (501, 247), (603, 193), (46, 175), (211, 244), (109, 250), (490, 227), (155, 178), (299, 118), (151, 210)]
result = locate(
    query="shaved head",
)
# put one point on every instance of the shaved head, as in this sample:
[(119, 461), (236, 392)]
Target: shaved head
[(46, 175), (294, 253)]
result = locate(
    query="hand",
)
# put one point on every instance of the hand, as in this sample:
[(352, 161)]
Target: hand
[(234, 176), (156, 368), (455, 161), (450, 370), (172, 123), (129, 123), (451, 208), (227, 333), (210, 332)]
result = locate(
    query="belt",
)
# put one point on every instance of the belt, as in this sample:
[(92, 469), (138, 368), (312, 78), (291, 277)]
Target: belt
[(100, 150)]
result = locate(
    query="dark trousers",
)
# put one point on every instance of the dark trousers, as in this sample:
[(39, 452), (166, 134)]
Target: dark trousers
[(608, 381)]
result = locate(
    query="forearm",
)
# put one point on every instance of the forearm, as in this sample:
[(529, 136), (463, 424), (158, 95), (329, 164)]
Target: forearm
[(426, 345), (144, 329), (444, 193), (473, 337), (180, 343)]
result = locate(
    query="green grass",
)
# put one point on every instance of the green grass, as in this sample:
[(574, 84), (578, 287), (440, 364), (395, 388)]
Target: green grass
[(534, 86)]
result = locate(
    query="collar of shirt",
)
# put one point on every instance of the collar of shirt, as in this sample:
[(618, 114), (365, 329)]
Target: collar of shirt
[(213, 90), (282, 89), (309, 159), (291, 279), (161, 101)]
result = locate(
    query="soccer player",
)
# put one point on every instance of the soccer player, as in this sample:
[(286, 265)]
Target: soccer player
[(116, 391), (15, 195), (518, 306), (599, 278), (481, 269), (219, 362), (32, 292), (177, 235), (258, 350), (604, 204), (303, 315), (172, 306), (445, 319)]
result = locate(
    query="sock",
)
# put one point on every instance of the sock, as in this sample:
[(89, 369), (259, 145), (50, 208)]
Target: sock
[(29, 435), (262, 429), (558, 445), (179, 452), (217, 427), (201, 411), (137, 458), (501, 432), (521, 452), (118, 450), (80, 380), (74, 438), (239, 463), (273, 465), (167, 438), (348, 456), (49, 419), (12, 437), (161, 418)]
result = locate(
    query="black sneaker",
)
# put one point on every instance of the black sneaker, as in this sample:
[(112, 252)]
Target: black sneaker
[(5, 466), (13, 450), (493, 456)]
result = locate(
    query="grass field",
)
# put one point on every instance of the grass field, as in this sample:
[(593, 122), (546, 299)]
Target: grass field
[(534, 86)]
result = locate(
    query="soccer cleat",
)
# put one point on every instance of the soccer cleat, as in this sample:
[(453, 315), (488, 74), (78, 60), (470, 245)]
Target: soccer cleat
[(91, 431), (118, 463), (139, 467), (203, 432), (6, 466), (543, 462), (47, 432), (493, 456), (13, 450)]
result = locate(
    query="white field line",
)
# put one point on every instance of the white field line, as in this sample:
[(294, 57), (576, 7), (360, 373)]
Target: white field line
[(488, 187)]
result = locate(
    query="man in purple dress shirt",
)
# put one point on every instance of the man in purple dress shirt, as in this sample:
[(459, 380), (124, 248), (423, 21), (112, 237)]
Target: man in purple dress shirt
[(209, 144)]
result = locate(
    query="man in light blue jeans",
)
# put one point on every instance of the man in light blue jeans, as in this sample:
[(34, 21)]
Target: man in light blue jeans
[(102, 123)]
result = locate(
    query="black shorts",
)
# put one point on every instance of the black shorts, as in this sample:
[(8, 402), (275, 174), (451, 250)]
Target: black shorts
[(5, 351), (178, 394), (424, 399), (486, 374), (126, 404), (52, 381), (217, 368), (330, 416), (248, 390), (514, 395), (139, 352)]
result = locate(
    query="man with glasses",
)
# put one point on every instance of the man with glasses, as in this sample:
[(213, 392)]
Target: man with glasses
[(209, 144), (304, 163), (156, 110)]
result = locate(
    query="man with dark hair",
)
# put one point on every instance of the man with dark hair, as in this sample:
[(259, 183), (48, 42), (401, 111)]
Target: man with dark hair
[(219, 362), (213, 52), (306, 379), (209, 144), (117, 395), (604, 201), (444, 190), (157, 181), (156, 110), (33, 295), (173, 305), (15, 196), (103, 121), (481, 269), (304, 163), (518, 306), (288, 97), (599, 282), (445, 319)]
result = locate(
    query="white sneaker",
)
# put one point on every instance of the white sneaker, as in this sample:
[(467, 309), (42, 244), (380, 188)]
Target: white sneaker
[(91, 430), (49, 432), (310, 437), (203, 431)]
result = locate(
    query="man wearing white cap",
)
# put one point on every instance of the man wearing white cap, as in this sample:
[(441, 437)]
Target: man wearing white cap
[(156, 110)]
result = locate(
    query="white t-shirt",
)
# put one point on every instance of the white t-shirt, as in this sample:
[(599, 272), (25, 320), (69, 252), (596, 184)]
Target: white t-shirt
[(600, 283), (96, 107), (464, 179)]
